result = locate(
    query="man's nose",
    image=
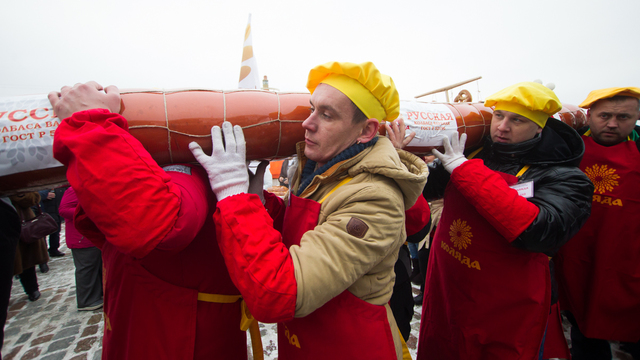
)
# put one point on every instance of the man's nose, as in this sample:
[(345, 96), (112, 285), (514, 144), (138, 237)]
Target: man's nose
[(308, 123)]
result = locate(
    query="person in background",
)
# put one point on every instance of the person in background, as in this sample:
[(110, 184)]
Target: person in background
[(327, 276), (599, 269), (424, 247), (27, 256), (284, 173), (50, 204), (9, 237), (418, 221), (507, 208), (87, 258), (167, 292)]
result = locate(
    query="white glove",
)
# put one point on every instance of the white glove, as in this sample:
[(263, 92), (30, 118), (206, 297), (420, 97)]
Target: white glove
[(227, 168), (453, 152)]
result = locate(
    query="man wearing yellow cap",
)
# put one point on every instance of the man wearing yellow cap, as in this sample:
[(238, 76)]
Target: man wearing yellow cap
[(507, 207), (598, 270), (323, 267)]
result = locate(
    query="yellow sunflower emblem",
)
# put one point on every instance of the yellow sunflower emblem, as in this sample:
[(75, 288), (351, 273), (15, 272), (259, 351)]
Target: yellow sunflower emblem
[(460, 234), (603, 178)]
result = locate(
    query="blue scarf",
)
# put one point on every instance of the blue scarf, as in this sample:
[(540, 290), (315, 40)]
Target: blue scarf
[(308, 174)]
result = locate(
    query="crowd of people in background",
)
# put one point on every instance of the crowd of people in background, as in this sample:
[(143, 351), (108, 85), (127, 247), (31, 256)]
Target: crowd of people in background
[(538, 221)]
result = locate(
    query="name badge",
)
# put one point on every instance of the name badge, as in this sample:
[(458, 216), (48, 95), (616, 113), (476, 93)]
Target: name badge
[(524, 189)]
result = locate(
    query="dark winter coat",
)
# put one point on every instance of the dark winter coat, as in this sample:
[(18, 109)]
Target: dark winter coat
[(28, 255), (562, 192)]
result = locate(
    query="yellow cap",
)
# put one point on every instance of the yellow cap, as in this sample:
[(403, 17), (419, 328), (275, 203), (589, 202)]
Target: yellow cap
[(534, 101), (596, 95), (373, 93)]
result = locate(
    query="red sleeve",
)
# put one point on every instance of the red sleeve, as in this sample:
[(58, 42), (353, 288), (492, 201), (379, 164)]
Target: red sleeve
[(87, 228), (258, 261), (417, 217), (489, 193), (122, 190)]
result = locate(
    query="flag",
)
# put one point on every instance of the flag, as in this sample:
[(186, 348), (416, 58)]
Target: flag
[(249, 78)]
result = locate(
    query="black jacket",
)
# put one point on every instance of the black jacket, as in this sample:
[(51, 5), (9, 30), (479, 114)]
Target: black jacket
[(562, 192)]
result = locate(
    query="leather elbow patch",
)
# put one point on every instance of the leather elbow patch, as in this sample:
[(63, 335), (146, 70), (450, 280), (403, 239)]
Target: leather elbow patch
[(357, 228)]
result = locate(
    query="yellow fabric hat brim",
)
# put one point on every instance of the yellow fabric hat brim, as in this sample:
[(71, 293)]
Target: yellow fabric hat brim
[(601, 94), (529, 99), (537, 117), (373, 93), (360, 96)]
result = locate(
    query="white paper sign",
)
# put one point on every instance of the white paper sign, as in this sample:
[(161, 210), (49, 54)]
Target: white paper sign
[(27, 126)]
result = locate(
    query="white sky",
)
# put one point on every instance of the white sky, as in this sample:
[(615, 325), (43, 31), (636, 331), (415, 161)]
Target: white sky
[(423, 45)]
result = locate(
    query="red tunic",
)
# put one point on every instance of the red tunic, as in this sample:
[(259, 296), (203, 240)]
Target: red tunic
[(599, 269), (157, 236), (344, 328), (484, 299)]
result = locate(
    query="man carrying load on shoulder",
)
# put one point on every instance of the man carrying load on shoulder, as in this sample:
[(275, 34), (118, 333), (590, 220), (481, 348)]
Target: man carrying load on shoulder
[(599, 269), (508, 206), (322, 266), (167, 292)]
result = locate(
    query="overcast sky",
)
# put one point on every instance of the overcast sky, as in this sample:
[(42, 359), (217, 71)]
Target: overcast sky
[(423, 45)]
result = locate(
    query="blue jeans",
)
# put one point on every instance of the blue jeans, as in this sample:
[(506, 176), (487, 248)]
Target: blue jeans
[(413, 250)]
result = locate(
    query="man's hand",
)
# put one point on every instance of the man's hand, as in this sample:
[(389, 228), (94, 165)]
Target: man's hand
[(453, 152), (396, 132), (227, 168), (256, 181), (51, 195), (81, 97)]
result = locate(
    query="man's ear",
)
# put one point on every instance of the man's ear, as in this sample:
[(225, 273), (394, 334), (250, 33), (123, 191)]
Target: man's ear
[(369, 131)]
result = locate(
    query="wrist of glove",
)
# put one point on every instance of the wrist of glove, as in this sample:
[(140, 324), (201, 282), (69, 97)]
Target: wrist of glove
[(454, 163), (226, 167), (454, 152)]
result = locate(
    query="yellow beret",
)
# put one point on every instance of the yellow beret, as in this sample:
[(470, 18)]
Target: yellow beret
[(373, 93), (596, 95), (534, 101)]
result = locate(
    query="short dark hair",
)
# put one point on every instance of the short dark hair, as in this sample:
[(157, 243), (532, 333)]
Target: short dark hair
[(358, 115)]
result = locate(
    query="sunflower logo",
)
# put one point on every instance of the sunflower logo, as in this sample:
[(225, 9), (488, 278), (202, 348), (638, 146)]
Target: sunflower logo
[(460, 234), (603, 178)]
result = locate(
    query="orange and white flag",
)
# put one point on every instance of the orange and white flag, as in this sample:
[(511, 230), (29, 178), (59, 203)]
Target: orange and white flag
[(249, 78)]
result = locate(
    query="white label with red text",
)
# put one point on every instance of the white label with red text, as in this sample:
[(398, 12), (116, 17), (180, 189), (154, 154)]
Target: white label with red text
[(429, 121), (27, 125)]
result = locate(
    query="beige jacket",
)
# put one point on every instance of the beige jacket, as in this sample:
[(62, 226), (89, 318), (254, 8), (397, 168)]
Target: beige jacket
[(335, 256)]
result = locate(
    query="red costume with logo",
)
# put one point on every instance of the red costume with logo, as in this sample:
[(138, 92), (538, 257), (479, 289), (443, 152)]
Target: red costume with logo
[(473, 253), (488, 287), (157, 236), (599, 269), (322, 267)]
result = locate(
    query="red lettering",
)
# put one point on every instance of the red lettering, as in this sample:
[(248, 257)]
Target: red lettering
[(33, 113), (12, 115), (17, 137)]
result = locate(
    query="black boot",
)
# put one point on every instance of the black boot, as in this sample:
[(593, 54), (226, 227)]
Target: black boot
[(418, 299)]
